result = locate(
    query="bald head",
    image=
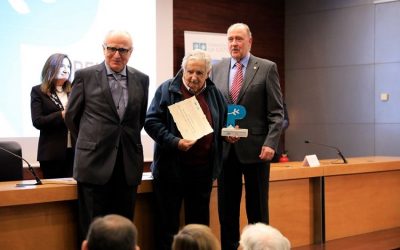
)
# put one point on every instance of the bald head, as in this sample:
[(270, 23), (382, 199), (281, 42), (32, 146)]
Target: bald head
[(118, 33), (239, 40), (117, 48), (241, 26), (111, 232)]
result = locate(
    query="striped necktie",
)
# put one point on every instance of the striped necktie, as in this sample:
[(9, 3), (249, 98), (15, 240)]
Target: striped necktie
[(237, 82)]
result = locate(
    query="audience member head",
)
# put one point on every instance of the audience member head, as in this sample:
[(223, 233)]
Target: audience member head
[(56, 72), (117, 49), (111, 232), (263, 237), (195, 237)]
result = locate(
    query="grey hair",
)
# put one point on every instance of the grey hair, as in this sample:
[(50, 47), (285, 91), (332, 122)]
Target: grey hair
[(240, 25), (112, 232), (260, 236), (119, 32), (197, 55)]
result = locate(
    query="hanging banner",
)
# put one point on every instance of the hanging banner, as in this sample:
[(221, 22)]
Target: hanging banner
[(216, 44)]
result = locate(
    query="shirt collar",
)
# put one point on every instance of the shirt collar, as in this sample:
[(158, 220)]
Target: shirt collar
[(111, 72), (191, 91), (244, 61)]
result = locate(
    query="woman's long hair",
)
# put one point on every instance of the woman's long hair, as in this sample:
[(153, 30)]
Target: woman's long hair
[(195, 237), (50, 71)]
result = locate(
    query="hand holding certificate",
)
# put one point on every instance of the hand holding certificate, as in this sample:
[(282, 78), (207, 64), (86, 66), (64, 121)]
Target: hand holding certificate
[(190, 119)]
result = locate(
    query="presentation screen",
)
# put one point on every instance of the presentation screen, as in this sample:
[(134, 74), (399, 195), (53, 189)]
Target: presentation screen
[(31, 31)]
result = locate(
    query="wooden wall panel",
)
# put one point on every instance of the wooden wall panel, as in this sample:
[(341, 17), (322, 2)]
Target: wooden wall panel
[(39, 226), (264, 17), (361, 203)]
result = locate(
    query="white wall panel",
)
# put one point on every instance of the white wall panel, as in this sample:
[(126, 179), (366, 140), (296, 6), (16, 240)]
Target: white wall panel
[(331, 95), (330, 38), (352, 139), (387, 80), (387, 38), (339, 57)]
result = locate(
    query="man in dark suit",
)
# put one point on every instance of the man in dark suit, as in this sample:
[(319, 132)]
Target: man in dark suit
[(106, 113), (256, 82)]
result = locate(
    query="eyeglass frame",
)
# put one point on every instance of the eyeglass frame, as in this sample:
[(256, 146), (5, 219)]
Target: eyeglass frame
[(113, 50)]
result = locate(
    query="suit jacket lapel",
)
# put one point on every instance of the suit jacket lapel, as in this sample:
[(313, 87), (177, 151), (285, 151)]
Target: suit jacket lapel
[(105, 87), (251, 70), (225, 78), (132, 88)]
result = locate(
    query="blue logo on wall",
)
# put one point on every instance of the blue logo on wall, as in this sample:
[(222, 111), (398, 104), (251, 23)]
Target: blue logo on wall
[(202, 46)]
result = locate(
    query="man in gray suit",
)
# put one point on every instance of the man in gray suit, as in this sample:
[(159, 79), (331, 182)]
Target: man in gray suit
[(106, 113), (253, 83)]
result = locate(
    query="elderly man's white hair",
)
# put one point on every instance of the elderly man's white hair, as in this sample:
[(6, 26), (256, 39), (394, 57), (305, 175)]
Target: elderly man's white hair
[(263, 237), (197, 55)]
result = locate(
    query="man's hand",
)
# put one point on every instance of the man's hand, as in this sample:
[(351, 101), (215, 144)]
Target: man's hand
[(232, 139), (185, 144), (266, 153)]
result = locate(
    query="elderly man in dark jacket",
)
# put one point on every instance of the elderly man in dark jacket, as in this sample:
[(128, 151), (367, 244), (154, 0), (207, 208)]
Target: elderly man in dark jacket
[(184, 169)]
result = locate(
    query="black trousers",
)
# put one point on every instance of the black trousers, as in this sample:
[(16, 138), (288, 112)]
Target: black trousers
[(256, 177), (58, 168), (193, 190), (114, 197)]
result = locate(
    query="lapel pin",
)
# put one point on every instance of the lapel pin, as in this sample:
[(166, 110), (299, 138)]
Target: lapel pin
[(255, 67)]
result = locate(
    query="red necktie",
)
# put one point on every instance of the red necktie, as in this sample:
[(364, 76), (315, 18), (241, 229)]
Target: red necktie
[(237, 82)]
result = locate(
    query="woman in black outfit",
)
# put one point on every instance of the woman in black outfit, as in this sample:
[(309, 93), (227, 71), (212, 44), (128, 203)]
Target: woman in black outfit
[(48, 103)]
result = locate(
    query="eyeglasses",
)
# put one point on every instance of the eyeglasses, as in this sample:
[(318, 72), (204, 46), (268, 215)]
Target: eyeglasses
[(112, 50)]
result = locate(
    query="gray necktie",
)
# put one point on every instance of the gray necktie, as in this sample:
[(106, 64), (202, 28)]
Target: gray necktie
[(118, 95)]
